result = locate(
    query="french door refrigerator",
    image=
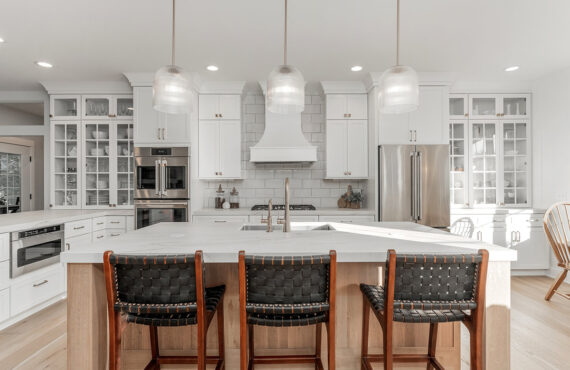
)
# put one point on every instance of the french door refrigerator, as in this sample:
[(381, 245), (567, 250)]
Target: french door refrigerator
[(413, 184)]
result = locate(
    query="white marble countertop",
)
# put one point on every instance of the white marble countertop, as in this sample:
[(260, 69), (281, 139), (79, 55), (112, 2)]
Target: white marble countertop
[(221, 243), (318, 211), (30, 220)]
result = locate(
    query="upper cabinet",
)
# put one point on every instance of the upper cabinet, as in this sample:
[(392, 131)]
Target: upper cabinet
[(347, 106), (458, 106), (347, 136), (157, 128), (65, 107), (102, 107), (220, 107), (426, 125), (499, 106)]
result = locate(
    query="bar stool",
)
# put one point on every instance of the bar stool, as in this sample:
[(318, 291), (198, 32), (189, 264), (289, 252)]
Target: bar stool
[(427, 289), (158, 291), (284, 291)]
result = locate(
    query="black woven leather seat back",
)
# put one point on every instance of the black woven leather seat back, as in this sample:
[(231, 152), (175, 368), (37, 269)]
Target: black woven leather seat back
[(436, 278), (287, 280), (154, 279)]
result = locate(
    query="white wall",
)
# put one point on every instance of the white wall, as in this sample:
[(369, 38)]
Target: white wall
[(551, 140)]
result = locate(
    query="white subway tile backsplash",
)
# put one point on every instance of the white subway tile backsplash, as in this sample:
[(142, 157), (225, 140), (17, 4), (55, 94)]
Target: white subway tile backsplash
[(265, 181)]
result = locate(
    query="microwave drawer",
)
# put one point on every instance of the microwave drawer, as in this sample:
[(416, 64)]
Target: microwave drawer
[(76, 228), (26, 294)]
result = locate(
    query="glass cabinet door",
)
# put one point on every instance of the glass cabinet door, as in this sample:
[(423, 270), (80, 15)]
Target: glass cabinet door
[(125, 164), (515, 106), (124, 107), (515, 163), (97, 154), (96, 107), (66, 156), (484, 163), (64, 107), (483, 106), (457, 157), (458, 106)]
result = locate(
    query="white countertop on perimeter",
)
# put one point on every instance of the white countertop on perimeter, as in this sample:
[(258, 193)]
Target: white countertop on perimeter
[(221, 243), (318, 211), (34, 219)]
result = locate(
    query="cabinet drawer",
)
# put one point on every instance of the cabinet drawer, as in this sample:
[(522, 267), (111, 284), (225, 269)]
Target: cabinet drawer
[(220, 219), (112, 233), (4, 274), (77, 241), (4, 247), (115, 222), (77, 228), (4, 304), (99, 235), (521, 221), (26, 294), (98, 223), (347, 219)]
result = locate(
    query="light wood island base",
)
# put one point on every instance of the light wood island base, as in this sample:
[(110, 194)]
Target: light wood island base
[(87, 323)]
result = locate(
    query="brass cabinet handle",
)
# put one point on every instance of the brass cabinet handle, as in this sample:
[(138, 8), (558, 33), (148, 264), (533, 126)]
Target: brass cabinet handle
[(115, 222), (79, 227), (39, 284), (100, 237), (466, 114), (220, 221), (221, 115), (158, 134), (115, 234), (100, 223), (68, 246)]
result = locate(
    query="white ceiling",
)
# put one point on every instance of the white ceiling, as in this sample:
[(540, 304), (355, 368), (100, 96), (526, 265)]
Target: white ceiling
[(89, 40)]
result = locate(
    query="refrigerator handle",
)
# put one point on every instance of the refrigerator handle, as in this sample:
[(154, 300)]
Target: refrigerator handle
[(380, 150), (419, 182), (414, 185), (157, 175)]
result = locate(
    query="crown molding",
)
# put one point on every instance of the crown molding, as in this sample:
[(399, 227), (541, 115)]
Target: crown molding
[(372, 80), (343, 87), (222, 87), (145, 79), (87, 87)]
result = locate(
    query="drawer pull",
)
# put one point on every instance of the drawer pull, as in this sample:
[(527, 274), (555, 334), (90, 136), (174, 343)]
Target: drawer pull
[(79, 227), (67, 245), (115, 234), (346, 221), (220, 221), (100, 223), (115, 222), (100, 236), (39, 284), (533, 220)]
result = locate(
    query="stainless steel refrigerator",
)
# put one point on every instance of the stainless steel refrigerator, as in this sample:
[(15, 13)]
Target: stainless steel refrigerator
[(413, 184)]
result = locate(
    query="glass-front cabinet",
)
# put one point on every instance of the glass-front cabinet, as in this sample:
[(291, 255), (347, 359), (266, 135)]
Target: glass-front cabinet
[(458, 106), (124, 164), (65, 107), (490, 151), (65, 162), (107, 107)]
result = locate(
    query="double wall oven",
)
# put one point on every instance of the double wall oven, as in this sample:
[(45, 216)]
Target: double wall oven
[(162, 190)]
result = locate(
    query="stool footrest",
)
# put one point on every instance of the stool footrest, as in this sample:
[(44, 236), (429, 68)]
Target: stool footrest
[(291, 359), (402, 357)]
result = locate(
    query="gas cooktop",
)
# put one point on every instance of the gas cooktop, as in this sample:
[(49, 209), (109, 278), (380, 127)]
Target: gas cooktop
[(281, 207)]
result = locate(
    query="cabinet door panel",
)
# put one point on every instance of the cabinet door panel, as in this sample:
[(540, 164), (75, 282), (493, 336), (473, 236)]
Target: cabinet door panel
[(532, 249), (230, 106), (483, 106), (357, 148), (177, 128), (230, 148), (209, 106), (458, 106), (394, 129), (430, 119), (336, 148), (208, 149), (336, 106), (357, 106), (146, 118)]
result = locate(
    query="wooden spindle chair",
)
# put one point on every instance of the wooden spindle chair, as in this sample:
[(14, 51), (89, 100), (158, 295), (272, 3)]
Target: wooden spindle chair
[(427, 289), (557, 229), (165, 290), (287, 291)]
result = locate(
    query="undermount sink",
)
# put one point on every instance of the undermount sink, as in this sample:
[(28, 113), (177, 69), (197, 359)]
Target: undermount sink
[(304, 227)]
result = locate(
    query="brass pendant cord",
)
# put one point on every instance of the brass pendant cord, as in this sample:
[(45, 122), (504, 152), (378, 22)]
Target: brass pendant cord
[(173, 33), (285, 37), (398, 33)]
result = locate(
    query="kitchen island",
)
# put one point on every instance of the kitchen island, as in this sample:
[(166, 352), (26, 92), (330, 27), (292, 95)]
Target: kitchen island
[(361, 253)]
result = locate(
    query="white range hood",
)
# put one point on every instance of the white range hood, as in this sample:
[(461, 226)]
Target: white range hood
[(282, 140)]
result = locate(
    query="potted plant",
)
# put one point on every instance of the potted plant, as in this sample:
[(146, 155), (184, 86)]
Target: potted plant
[(355, 200)]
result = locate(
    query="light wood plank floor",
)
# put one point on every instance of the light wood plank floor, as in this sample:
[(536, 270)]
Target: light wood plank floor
[(540, 333)]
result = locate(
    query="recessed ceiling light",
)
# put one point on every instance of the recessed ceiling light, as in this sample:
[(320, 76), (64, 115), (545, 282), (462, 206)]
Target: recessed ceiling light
[(1, 40), (212, 68), (356, 68), (511, 69), (44, 64)]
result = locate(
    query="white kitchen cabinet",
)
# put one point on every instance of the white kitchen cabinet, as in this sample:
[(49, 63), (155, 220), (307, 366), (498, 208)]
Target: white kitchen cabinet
[(347, 219), (220, 219), (459, 173), (347, 149), (76, 228), (29, 292), (65, 157), (157, 128), (458, 106), (501, 106), (65, 107), (347, 106), (525, 234), (426, 125), (220, 107), (4, 304), (102, 107), (275, 215), (4, 274), (219, 149), (484, 106), (4, 247)]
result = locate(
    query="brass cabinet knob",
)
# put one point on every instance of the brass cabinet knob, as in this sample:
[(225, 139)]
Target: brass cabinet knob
[(466, 114)]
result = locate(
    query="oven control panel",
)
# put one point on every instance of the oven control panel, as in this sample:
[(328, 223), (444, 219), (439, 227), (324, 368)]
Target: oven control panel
[(43, 230)]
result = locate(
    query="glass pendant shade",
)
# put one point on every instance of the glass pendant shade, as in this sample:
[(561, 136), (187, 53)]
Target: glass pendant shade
[(171, 90), (285, 90), (399, 90)]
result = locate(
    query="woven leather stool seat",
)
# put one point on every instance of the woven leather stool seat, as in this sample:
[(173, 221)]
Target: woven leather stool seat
[(287, 320), (415, 311)]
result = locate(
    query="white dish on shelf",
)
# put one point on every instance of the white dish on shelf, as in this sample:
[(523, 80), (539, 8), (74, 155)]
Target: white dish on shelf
[(99, 135), (125, 151), (102, 184), (97, 151)]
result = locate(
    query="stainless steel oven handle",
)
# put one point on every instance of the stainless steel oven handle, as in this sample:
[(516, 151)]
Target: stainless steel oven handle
[(40, 284), (413, 192), (157, 177), (163, 177), (419, 181)]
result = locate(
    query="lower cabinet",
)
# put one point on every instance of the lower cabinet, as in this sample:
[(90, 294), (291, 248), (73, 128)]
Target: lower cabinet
[(27, 293), (76, 242), (256, 219), (347, 219), (4, 304), (220, 219)]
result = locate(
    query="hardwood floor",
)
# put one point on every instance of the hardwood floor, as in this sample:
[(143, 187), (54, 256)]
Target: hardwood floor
[(540, 336)]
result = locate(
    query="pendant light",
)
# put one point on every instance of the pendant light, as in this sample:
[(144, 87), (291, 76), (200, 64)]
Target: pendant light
[(285, 85), (171, 91), (399, 90)]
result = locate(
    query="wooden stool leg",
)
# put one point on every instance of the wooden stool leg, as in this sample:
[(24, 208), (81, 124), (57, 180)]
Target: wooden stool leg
[(365, 330), (476, 342), (201, 344), (251, 346), (554, 287), (116, 327), (388, 357), (318, 335), (221, 349), (331, 343), (432, 343), (154, 346)]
